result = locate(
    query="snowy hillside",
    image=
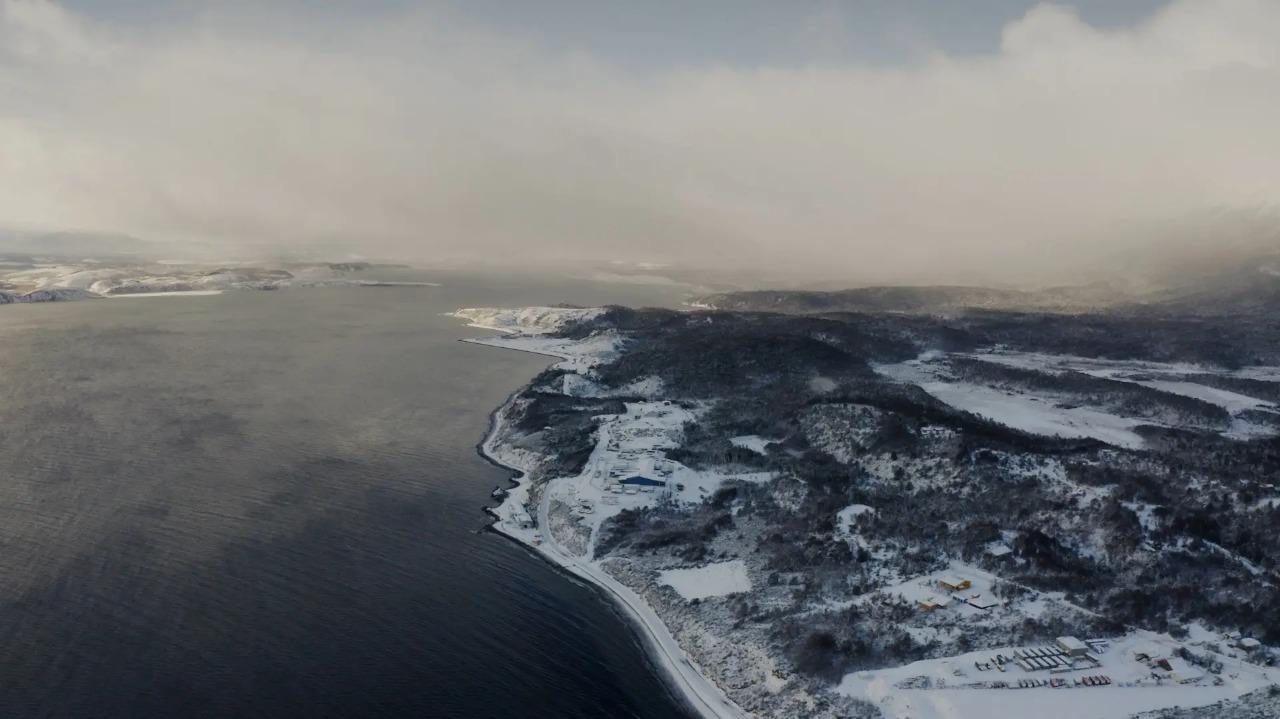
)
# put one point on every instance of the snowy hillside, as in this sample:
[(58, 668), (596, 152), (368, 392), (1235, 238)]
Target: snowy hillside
[(44, 282), (1063, 396), (526, 320)]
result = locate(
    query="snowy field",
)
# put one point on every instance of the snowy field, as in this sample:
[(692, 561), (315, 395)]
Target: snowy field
[(753, 442), (955, 687), (1020, 411), (1046, 415), (711, 580), (978, 686)]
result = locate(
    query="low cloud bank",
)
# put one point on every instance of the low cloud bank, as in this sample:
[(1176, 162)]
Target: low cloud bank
[(412, 136)]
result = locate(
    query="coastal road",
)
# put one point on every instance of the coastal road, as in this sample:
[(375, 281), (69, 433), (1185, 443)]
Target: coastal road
[(702, 694)]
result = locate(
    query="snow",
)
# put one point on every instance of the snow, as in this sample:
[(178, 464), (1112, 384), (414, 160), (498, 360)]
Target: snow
[(1020, 411), (176, 279), (525, 320), (1230, 401), (577, 355), (711, 580), (1139, 372), (823, 385), (845, 517), (630, 443), (753, 442), (1146, 514), (707, 699), (187, 293), (636, 442), (1044, 416), (998, 549), (959, 691)]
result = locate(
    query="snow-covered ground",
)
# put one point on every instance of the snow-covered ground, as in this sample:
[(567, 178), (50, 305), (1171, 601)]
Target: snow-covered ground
[(525, 320), (629, 442), (577, 355), (753, 442), (955, 687), (974, 686), (846, 516), (181, 293), (563, 520), (178, 279), (1020, 411), (634, 444), (1141, 373), (1047, 416), (709, 580)]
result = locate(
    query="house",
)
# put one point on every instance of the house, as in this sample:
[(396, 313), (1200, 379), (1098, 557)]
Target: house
[(954, 584), (1072, 647), (1248, 644)]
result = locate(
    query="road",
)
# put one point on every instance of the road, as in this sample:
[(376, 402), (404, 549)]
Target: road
[(701, 693)]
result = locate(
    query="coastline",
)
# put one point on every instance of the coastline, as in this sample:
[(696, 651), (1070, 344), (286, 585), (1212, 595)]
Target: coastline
[(698, 693), (557, 509)]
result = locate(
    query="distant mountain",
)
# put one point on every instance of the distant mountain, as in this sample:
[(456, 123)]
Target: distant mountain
[(1248, 285), (76, 245), (53, 295), (918, 300)]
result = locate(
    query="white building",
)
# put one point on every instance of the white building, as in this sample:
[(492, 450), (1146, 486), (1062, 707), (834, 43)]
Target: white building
[(1072, 647)]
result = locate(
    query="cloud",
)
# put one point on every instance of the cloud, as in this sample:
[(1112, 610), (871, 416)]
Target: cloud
[(413, 135)]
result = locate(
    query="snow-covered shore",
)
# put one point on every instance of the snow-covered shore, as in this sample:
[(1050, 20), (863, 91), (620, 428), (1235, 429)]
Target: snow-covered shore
[(512, 520)]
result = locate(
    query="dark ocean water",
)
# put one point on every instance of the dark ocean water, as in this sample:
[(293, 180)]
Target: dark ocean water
[(266, 505)]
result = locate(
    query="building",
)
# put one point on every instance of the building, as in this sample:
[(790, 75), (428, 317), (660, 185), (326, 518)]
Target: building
[(522, 519), (954, 584), (639, 481), (1248, 644), (983, 601), (1072, 647)]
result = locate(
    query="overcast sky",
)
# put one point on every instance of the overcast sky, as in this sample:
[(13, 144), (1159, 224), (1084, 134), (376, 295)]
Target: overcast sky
[(908, 140)]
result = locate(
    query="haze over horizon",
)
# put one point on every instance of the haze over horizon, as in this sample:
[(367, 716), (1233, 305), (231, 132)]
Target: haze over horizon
[(1002, 142)]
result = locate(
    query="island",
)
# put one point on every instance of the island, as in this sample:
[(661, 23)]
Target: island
[(36, 279)]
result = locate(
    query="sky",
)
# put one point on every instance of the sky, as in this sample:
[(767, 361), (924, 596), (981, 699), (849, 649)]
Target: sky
[(996, 140)]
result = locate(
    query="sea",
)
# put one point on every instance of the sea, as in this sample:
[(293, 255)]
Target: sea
[(269, 504)]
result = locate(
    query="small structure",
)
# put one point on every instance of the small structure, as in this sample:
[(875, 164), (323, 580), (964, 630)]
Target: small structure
[(954, 584), (983, 601), (1072, 647), (1248, 644), (522, 519), (933, 604)]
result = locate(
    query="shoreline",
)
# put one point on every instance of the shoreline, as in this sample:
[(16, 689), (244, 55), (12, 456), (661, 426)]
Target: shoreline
[(701, 696), (556, 511)]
